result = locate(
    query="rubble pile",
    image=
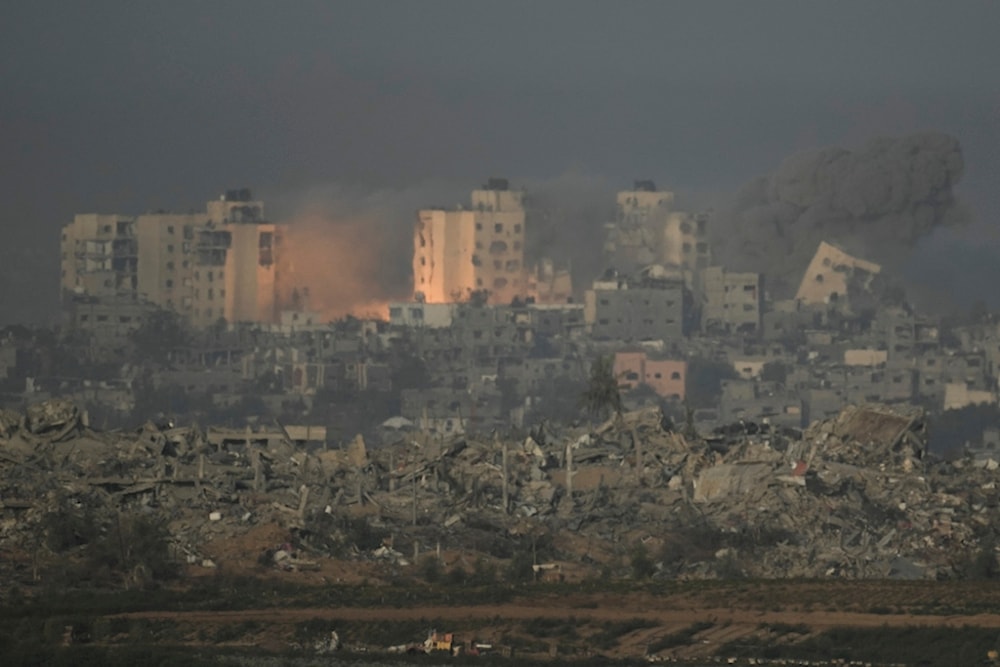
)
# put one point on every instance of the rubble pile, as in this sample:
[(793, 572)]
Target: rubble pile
[(854, 496)]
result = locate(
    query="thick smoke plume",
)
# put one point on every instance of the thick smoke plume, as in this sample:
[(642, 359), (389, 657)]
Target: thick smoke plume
[(352, 249), (565, 218), (876, 202)]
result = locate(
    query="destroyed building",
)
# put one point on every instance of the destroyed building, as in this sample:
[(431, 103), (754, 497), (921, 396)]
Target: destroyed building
[(647, 230), (853, 496), (830, 274)]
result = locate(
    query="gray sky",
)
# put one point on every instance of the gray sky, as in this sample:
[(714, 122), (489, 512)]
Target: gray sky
[(127, 106)]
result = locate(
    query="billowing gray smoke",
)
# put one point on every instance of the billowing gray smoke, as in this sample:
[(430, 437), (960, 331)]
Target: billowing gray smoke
[(565, 222), (876, 202)]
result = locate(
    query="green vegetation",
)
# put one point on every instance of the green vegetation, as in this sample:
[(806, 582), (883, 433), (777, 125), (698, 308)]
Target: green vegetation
[(643, 566), (430, 569), (602, 397), (131, 548)]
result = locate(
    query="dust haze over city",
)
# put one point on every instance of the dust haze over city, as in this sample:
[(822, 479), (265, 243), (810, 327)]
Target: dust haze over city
[(466, 301)]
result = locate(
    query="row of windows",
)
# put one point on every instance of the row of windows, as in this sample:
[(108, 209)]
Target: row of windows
[(605, 321), (632, 376), (497, 228), (123, 319), (631, 302)]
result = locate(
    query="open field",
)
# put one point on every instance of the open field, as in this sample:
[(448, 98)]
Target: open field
[(882, 622)]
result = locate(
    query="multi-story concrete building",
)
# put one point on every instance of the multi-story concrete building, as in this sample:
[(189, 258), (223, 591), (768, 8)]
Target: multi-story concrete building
[(99, 256), (634, 238), (685, 242), (827, 278), (646, 306), (732, 301), (647, 230), (223, 263), (666, 377), (433, 315), (109, 322), (460, 252)]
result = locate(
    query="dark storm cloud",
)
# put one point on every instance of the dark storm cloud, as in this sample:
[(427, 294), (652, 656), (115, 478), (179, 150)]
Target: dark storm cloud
[(116, 106)]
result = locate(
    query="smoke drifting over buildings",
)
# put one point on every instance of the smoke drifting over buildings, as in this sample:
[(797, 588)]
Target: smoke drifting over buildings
[(352, 250), (877, 202), (566, 217)]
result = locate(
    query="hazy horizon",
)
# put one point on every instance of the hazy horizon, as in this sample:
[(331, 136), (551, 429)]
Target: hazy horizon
[(113, 107)]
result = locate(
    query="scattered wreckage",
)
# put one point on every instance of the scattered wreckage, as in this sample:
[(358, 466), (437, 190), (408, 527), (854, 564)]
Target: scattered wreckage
[(855, 496)]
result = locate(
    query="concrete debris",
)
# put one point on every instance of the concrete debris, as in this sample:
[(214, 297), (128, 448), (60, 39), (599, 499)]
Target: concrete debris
[(853, 496), (53, 420)]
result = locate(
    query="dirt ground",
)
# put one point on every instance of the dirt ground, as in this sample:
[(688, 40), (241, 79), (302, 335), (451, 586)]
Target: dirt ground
[(665, 616)]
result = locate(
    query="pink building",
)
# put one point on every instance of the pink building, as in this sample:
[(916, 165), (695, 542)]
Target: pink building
[(664, 376)]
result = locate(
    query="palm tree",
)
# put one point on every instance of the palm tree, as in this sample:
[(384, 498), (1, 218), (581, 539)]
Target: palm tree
[(602, 396)]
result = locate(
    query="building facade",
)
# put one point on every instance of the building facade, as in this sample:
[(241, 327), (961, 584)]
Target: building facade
[(223, 263), (666, 377), (732, 301), (480, 250), (648, 305)]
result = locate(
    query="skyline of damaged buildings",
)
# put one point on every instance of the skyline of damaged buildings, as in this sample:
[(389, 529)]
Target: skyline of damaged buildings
[(495, 336)]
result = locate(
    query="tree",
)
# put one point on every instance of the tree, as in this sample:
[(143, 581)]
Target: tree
[(136, 547), (602, 396), (774, 371), (160, 333), (643, 566), (704, 381)]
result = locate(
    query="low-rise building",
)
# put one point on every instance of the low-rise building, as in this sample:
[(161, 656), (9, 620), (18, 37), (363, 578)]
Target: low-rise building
[(646, 306), (732, 302), (666, 377)]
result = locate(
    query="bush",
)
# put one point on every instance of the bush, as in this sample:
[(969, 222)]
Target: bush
[(642, 565), (520, 569), (430, 569), (68, 528), (137, 547), (484, 573)]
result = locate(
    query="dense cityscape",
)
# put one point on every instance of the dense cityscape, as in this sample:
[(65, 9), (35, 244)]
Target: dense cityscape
[(519, 333)]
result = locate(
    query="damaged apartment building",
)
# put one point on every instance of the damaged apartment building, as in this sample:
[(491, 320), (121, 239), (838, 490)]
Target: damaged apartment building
[(481, 250), (224, 263), (844, 346), (501, 342), (647, 230)]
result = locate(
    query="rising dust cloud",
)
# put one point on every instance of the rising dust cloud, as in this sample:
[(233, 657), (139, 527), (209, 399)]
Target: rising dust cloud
[(353, 249)]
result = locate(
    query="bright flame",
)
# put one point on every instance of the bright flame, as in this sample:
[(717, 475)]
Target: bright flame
[(341, 264)]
